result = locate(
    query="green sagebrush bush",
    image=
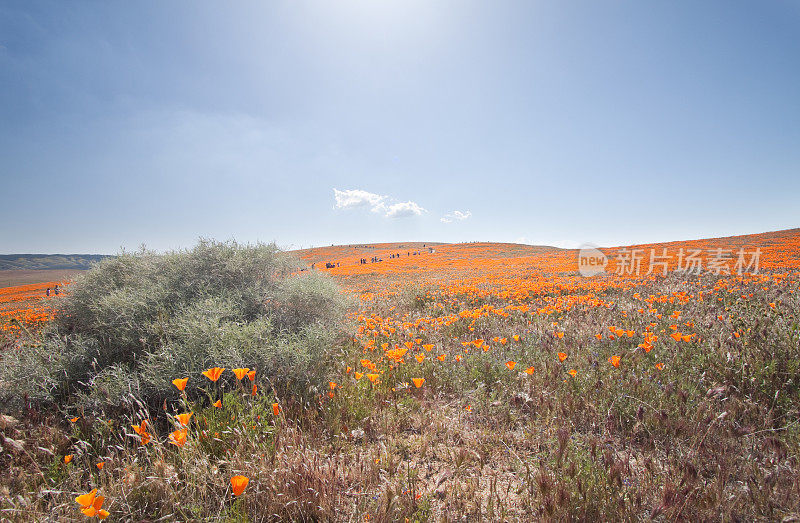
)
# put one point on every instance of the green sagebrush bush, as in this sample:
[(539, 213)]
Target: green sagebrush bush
[(133, 323)]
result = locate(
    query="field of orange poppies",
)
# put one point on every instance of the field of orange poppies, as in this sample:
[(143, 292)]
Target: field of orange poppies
[(484, 382)]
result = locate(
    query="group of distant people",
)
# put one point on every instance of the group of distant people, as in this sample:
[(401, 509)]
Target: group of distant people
[(374, 259), (55, 290)]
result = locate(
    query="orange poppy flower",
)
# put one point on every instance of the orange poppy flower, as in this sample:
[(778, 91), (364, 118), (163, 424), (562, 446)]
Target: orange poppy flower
[(276, 409), (420, 358), (562, 356), (92, 505), (373, 377), (660, 366), (428, 347), (511, 365), (516, 337), (73, 420), (140, 429), (573, 373), (241, 373), (238, 484), (468, 408), (180, 383), (213, 374), (67, 458), (100, 465), (332, 385), (614, 360), (676, 336), (441, 357), (418, 382), (251, 375), (178, 437), (218, 404), (145, 438), (86, 500), (529, 370), (359, 375), (560, 335), (184, 418), (598, 336), (254, 390)]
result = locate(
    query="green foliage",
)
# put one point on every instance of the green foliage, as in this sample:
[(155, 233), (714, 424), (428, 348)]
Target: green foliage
[(136, 321)]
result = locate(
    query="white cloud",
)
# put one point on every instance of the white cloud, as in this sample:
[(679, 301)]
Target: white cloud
[(455, 215), (355, 198), (352, 198), (402, 209)]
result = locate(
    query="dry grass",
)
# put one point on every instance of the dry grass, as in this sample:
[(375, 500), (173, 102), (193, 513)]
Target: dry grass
[(711, 435)]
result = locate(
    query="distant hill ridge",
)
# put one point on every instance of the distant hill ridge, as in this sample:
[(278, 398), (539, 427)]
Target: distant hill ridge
[(49, 261)]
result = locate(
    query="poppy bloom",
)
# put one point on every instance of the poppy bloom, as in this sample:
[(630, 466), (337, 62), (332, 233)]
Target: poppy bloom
[(332, 385), (86, 500), (529, 370), (145, 438), (213, 374), (251, 375), (441, 357), (184, 418), (614, 360), (573, 373), (468, 408), (660, 366), (140, 429), (373, 377), (73, 420), (178, 437), (67, 458), (359, 375), (511, 365), (428, 347), (420, 358), (276, 409), (238, 484), (92, 505), (241, 373), (516, 337), (560, 335), (218, 404), (676, 336), (598, 336), (562, 356), (180, 383), (254, 390), (418, 382), (100, 465)]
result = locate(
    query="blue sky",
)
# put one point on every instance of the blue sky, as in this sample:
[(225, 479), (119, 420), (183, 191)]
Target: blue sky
[(317, 123)]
